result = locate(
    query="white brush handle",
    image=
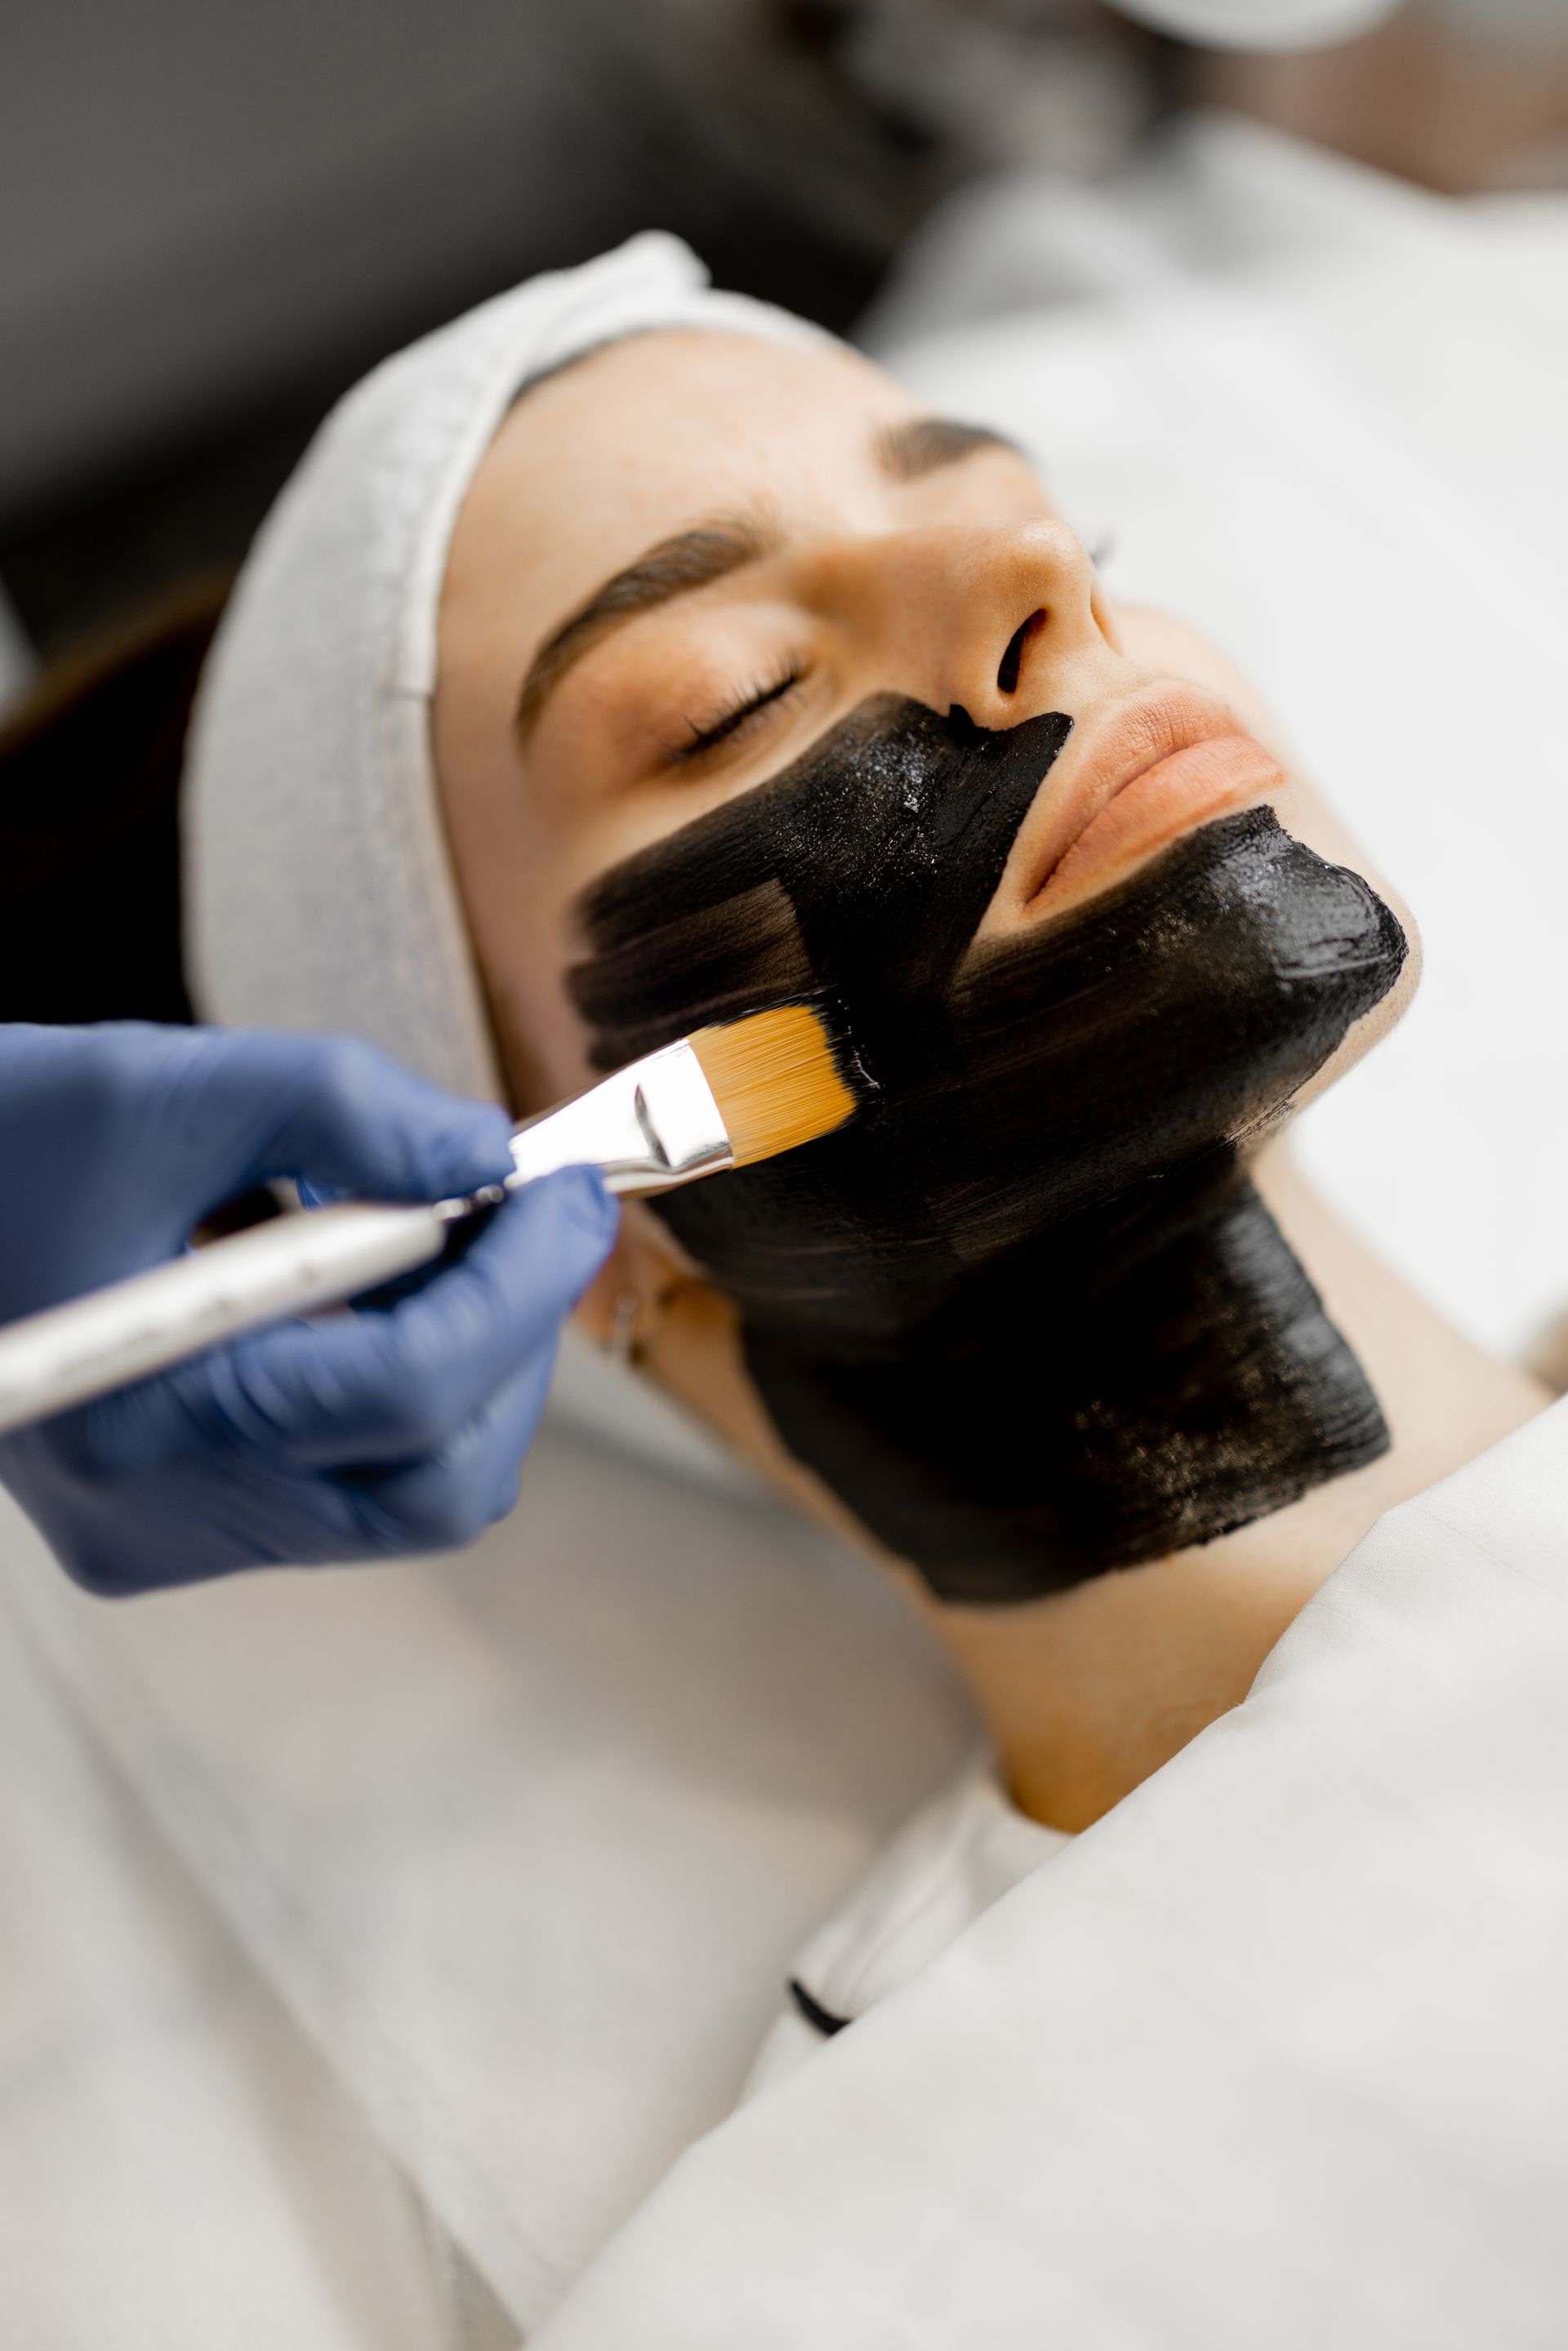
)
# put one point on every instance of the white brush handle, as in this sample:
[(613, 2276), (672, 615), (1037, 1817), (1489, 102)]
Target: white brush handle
[(651, 1126), (293, 1265)]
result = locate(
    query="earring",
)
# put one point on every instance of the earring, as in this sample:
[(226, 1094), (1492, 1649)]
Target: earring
[(621, 1346)]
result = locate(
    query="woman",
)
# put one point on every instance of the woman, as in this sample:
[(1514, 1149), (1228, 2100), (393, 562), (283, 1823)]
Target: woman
[(681, 565), (526, 1840), (696, 624)]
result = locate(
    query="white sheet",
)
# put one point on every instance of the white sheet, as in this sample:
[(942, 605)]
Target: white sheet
[(1275, 2057), (524, 1838), (177, 2166)]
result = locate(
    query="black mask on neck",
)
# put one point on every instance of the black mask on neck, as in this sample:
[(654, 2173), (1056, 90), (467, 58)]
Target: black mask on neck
[(1026, 1314)]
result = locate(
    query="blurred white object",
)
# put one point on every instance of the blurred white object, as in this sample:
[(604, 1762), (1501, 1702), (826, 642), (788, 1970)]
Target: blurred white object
[(1261, 24), (994, 83)]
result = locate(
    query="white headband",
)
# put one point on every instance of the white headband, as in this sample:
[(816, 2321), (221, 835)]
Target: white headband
[(318, 892)]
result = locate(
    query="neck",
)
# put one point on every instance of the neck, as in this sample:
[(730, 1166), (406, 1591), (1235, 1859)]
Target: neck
[(1090, 1690)]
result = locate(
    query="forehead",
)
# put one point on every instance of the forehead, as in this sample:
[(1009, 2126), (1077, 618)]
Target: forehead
[(640, 440), (715, 399)]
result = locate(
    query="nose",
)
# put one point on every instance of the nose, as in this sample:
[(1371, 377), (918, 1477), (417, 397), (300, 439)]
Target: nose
[(1003, 621)]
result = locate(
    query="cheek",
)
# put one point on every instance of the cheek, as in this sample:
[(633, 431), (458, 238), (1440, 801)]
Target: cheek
[(544, 1047), (514, 890), (518, 905)]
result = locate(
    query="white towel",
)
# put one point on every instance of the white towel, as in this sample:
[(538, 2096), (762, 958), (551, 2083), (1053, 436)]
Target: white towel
[(1271, 2058), (320, 895)]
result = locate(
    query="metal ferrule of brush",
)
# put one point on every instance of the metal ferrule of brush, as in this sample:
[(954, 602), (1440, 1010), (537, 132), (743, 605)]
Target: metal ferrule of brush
[(650, 1126)]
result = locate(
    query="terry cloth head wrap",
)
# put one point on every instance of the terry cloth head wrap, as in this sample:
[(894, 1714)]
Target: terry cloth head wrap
[(319, 893)]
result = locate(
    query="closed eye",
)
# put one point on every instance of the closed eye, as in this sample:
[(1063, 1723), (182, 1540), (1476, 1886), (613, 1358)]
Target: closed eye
[(729, 720)]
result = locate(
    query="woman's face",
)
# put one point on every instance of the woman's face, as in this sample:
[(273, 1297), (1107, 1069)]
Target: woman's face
[(756, 681), (686, 558)]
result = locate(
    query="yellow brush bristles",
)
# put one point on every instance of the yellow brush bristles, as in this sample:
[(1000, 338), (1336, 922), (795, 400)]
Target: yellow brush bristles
[(776, 1079)]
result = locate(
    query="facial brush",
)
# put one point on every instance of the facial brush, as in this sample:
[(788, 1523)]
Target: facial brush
[(722, 1098)]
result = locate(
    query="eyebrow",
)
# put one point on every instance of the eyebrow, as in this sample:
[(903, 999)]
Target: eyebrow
[(922, 444), (905, 451), (693, 558)]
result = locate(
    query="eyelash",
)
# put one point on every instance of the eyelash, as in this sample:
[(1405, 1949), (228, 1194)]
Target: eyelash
[(729, 721)]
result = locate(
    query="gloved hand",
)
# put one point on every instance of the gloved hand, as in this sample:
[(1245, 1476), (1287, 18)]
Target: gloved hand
[(387, 1430)]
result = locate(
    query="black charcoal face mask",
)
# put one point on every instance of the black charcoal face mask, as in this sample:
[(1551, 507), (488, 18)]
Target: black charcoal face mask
[(1026, 1315)]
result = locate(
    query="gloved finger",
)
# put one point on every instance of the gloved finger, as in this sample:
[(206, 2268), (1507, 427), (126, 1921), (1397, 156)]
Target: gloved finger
[(365, 1387), (260, 1103), (392, 1385), (465, 1484), (203, 1517)]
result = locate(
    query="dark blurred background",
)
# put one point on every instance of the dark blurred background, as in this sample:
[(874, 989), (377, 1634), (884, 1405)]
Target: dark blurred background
[(214, 217)]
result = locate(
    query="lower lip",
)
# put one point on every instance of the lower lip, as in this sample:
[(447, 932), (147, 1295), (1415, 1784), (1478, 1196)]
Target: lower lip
[(1156, 807)]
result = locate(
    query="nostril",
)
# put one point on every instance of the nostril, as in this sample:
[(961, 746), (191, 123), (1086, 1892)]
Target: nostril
[(1012, 660)]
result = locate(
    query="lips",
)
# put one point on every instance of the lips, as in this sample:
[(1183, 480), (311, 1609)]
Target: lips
[(1158, 769)]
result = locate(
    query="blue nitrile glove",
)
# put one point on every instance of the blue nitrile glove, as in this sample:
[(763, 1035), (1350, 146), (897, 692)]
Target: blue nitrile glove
[(392, 1429)]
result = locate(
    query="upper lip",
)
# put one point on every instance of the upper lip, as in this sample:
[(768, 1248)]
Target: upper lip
[(1098, 763)]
